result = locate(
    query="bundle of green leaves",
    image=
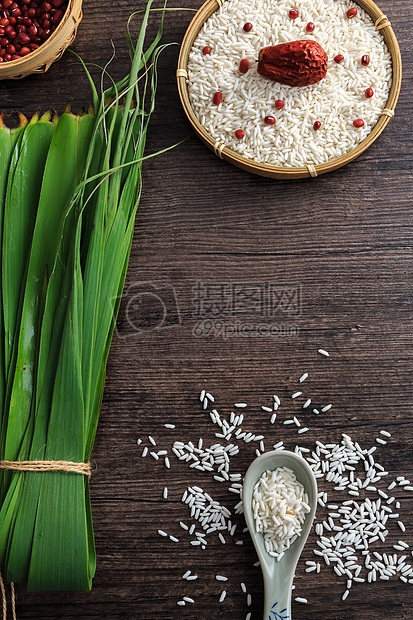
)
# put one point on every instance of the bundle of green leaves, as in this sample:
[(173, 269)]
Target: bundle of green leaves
[(69, 191)]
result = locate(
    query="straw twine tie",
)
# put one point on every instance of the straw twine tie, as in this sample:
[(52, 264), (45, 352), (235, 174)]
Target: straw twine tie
[(39, 466)]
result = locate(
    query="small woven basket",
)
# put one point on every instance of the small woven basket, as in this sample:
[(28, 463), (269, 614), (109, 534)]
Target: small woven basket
[(382, 24), (51, 50)]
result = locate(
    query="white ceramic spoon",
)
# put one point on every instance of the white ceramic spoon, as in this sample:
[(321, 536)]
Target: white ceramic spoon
[(279, 575)]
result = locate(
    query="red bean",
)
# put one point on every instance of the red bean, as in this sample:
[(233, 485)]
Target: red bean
[(317, 125), (365, 60), (4, 42), (247, 27), (244, 65), (279, 104), (339, 58), (310, 27), (10, 49), (47, 24), (24, 38), (4, 22), (31, 13), (358, 123), (7, 57), (58, 3), (7, 3), (217, 98), (32, 31), (45, 7), (27, 21), (46, 33), (369, 93), (239, 134), (15, 13), (352, 12), (59, 14), (2, 32), (15, 57), (269, 120), (4, 14), (1, 59), (293, 14), (12, 20), (24, 51)]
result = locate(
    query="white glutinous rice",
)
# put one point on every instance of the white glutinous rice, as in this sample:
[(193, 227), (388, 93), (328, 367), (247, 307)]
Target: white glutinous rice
[(280, 504), (336, 101)]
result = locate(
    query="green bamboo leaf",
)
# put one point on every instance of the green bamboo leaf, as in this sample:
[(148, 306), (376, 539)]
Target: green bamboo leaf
[(9, 140), (20, 211), (7, 514), (7, 143)]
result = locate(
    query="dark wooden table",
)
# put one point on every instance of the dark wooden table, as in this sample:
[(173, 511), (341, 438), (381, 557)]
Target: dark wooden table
[(337, 250)]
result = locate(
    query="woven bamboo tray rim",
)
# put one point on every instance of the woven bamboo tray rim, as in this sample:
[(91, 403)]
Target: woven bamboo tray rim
[(40, 60), (268, 170)]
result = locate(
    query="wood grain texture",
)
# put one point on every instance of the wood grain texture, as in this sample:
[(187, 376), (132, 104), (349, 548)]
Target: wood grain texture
[(346, 238)]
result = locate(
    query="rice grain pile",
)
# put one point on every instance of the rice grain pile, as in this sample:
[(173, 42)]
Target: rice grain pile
[(280, 504), (336, 101)]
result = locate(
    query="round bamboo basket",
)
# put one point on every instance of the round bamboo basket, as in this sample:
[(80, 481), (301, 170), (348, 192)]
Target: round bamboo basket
[(51, 50), (278, 172)]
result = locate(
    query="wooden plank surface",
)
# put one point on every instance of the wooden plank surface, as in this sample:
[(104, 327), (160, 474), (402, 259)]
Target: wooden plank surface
[(342, 243)]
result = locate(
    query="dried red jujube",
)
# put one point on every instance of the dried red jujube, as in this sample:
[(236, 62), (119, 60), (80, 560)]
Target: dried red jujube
[(297, 63)]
